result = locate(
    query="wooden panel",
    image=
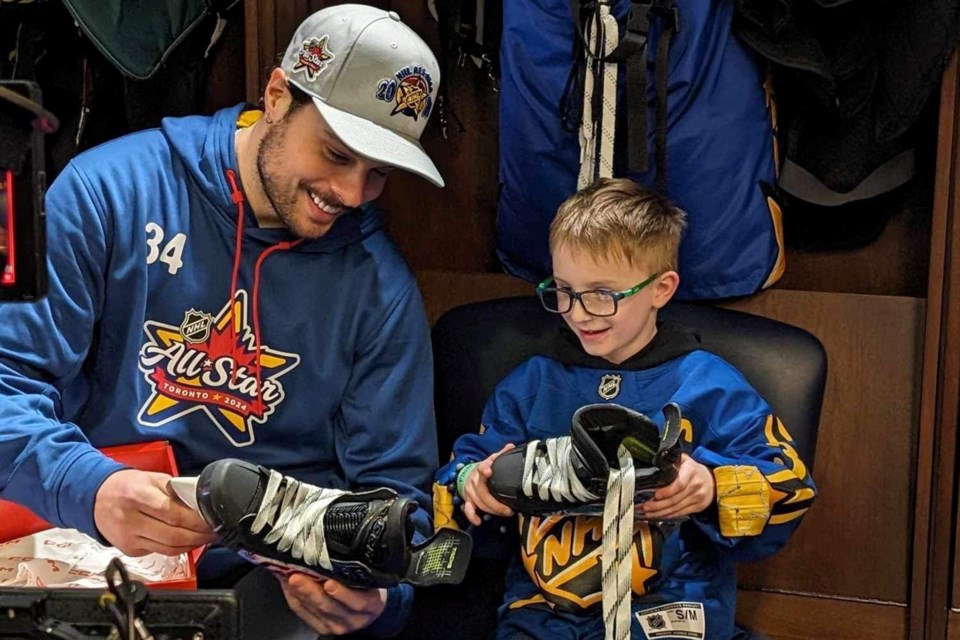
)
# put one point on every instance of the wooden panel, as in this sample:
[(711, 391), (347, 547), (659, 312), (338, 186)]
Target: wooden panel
[(864, 466), (794, 617), (251, 45), (444, 290), (225, 84), (945, 280), (286, 20), (450, 228), (936, 488), (953, 625), (261, 45)]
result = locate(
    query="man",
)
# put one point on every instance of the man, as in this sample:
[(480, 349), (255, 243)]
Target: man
[(223, 284)]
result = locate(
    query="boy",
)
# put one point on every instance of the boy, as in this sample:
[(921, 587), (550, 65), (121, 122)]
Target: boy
[(740, 488)]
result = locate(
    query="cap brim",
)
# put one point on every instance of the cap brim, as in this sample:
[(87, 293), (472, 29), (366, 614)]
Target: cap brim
[(379, 143)]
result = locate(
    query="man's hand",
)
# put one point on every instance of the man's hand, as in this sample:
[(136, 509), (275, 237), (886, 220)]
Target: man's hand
[(693, 491), (331, 608), (477, 497), (136, 512)]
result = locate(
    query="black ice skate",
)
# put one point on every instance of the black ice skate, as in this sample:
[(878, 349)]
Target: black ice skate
[(568, 475), (360, 539)]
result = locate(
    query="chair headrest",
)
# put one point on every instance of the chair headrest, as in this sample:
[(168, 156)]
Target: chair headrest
[(477, 345)]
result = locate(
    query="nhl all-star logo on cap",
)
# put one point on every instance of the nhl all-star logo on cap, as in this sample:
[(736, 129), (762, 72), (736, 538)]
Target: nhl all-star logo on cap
[(373, 80), (314, 57), (411, 89)]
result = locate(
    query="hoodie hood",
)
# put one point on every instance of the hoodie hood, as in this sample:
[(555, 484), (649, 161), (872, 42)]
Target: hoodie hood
[(669, 342), (205, 145)]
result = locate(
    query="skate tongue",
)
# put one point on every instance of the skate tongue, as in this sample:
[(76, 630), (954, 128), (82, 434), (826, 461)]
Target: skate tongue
[(441, 559), (605, 427), (588, 461)]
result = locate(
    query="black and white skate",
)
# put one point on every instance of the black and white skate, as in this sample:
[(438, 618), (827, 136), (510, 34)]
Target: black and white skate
[(361, 539), (568, 475)]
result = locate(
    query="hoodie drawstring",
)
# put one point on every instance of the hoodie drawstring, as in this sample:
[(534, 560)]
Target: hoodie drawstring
[(236, 196)]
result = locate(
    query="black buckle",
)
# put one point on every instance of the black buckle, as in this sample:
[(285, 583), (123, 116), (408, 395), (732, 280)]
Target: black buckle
[(635, 37), (669, 14), (638, 18)]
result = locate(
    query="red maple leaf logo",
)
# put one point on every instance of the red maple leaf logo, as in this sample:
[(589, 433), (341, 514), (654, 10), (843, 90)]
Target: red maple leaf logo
[(221, 344)]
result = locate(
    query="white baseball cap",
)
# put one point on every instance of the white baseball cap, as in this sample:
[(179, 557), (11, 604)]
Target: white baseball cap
[(373, 80)]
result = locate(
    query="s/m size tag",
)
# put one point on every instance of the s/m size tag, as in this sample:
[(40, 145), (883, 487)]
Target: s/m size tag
[(675, 620)]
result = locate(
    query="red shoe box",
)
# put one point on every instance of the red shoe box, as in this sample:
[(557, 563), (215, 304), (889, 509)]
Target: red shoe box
[(17, 521)]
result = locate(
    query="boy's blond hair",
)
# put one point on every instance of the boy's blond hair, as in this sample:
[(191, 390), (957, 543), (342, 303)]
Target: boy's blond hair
[(618, 219)]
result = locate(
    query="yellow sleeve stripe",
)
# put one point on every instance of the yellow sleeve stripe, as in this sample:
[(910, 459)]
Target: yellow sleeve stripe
[(801, 495), (787, 517), (778, 436), (786, 475), (443, 508), (776, 218), (743, 500)]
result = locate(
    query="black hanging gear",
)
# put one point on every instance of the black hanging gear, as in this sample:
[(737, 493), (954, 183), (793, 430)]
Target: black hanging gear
[(458, 22), (632, 51)]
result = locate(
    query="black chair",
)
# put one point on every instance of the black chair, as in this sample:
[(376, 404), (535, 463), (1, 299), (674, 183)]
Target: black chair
[(477, 345)]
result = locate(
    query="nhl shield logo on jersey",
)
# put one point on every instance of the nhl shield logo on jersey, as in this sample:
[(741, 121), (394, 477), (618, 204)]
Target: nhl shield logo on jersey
[(411, 89), (211, 364), (196, 326), (314, 56), (609, 386)]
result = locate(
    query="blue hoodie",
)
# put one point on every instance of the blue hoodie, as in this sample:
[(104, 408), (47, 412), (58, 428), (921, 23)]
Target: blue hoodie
[(135, 341)]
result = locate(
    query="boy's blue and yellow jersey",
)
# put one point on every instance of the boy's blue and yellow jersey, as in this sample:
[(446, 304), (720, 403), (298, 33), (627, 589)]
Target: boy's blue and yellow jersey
[(683, 575)]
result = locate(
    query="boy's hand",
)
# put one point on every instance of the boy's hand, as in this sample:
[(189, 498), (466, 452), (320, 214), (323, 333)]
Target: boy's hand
[(476, 495), (693, 491)]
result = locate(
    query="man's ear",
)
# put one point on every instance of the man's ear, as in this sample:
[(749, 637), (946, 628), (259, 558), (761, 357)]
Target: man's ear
[(664, 288), (276, 96)]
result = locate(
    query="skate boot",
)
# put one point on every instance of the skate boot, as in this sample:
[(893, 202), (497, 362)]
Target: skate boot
[(361, 539), (569, 475)]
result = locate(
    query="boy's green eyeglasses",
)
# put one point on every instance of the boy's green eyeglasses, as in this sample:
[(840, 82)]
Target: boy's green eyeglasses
[(597, 302)]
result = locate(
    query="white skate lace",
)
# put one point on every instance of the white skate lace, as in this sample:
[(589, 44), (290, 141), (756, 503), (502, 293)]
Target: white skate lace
[(555, 478), (615, 561), (295, 512), (552, 472)]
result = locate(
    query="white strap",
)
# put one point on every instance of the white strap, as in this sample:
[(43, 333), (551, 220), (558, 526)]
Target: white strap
[(595, 165), (608, 126), (588, 150)]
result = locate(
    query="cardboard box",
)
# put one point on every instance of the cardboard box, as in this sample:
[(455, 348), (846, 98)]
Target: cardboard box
[(17, 521)]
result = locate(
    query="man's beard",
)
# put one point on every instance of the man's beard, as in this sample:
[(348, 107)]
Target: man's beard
[(283, 201), (269, 150)]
